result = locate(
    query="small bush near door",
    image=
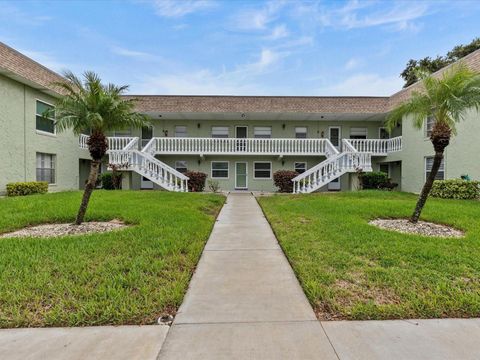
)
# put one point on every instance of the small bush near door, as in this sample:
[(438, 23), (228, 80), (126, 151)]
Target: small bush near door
[(456, 189), (111, 181), (373, 180), (27, 188), (283, 180), (196, 181)]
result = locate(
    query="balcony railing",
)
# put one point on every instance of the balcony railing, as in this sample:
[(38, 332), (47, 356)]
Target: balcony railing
[(114, 142), (246, 146), (376, 146)]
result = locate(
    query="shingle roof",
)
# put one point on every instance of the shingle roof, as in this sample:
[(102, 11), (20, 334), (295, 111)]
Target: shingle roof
[(26, 70), (260, 104)]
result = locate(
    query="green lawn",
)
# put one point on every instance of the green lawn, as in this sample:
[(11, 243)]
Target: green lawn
[(131, 276), (352, 270)]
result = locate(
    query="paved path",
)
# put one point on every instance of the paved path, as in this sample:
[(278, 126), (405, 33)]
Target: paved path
[(244, 301), (93, 343)]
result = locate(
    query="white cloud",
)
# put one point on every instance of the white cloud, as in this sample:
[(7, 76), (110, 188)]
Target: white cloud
[(257, 19), (12, 13), (351, 64), (243, 79), (364, 85), (278, 32), (140, 55), (179, 8)]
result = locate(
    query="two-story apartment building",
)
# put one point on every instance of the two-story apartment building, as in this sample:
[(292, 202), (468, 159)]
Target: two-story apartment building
[(239, 141)]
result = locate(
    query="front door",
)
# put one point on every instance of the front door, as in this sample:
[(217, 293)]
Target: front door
[(147, 134), (334, 136), (241, 132), (241, 174)]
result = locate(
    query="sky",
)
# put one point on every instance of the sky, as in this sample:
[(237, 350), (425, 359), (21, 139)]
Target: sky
[(213, 47)]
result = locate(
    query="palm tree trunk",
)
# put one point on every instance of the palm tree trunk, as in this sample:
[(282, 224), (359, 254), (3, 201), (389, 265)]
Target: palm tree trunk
[(92, 180), (437, 161)]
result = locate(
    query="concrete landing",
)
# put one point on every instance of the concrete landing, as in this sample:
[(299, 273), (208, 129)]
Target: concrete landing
[(244, 301)]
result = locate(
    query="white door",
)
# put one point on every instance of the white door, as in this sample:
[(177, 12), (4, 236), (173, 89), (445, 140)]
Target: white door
[(241, 175), (334, 134), (334, 185)]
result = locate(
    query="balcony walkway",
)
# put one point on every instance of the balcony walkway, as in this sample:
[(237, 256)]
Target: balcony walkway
[(244, 301)]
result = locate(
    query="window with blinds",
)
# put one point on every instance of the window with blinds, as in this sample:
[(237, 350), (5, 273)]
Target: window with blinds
[(181, 131), (219, 131), (45, 169), (428, 168), (262, 132)]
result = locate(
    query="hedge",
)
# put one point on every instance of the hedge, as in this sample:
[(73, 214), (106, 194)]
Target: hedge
[(373, 180), (196, 181), (27, 188), (456, 189), (111, 180), (283, 180)]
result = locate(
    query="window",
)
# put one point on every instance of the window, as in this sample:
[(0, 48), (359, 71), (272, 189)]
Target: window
[(358, 133), (429, 126), (428, 168), (301, 132), (220, 169), (262, 170), (45, 122), (181, 131), (385, 168), (219, 131), (383, 133), (181, 166), (300, 167), (46, 167), (262, 132)]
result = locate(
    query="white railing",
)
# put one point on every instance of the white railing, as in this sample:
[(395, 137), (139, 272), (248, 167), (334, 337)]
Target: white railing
[(377, 146), (246, 146), (114, 142), (330, 169), (82, 141), (347, 147)]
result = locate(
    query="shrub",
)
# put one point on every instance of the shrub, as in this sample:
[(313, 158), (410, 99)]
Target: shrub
[(283, 180), (373, 180), (213, 185), (111, 180), (27, 188), (456, 189), (196, 181)]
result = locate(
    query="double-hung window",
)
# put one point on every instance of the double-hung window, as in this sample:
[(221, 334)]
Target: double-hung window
[(220, 169), (181, 166), (181, 131), (46, 167), (300, 167), (358, 133), (262, 132), (301, 132), (262, 170), (45, 120), (429, 122), (429, 165), (123, 132), (219, 131)]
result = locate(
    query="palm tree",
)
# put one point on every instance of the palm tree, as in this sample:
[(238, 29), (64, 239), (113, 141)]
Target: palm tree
[(89, 104), (445, 99)]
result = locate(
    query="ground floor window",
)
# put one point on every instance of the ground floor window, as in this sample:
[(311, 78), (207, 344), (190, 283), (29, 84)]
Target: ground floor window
[(181, 166), (428, 168), (300, 167), (46, 167), (220, 169), (262, 170), (385, 168)]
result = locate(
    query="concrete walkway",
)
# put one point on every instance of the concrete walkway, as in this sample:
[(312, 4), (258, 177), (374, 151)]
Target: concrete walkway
[(244, 301)]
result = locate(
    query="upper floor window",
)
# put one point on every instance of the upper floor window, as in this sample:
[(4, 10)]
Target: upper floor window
[(123, 132), (262, 132), (429, 122), (45, 120), (181, 166), (181, 131), (219, 131), (46, 167), (358, 133), (429, 165), (301, 132)]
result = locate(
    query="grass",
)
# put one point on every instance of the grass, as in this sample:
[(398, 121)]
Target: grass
[(352, 270), (130, 276)]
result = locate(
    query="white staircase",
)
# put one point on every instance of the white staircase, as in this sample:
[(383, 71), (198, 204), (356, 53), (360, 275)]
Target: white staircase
[(336, 164), (123, 152)]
